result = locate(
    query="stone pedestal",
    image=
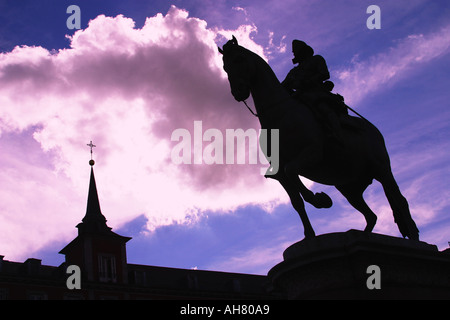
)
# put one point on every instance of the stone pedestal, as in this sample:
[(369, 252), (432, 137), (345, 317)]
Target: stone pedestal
[(336, 266)]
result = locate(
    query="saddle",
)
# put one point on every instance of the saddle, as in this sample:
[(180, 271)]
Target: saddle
[(323, 102)]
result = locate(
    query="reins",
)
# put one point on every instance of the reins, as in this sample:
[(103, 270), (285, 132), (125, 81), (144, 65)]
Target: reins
[(249, 109), (266, 106), (357, 114), (256, 115)]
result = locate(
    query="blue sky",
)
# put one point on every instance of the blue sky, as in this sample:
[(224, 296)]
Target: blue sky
[(58, 93)]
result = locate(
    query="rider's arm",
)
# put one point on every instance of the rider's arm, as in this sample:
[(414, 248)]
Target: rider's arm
[(322, 73)]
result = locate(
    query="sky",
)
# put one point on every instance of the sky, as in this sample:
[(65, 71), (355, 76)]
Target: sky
[(136, 71)]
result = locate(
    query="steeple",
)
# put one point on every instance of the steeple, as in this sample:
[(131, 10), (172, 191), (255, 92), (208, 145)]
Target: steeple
[(94, 220), (93, 205), (97, 250)]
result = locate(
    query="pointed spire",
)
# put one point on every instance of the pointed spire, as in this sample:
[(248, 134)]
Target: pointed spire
[(93, 212), (94, 220)]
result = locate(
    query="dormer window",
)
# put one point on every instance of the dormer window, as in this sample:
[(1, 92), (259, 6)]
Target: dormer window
[(107, 268)]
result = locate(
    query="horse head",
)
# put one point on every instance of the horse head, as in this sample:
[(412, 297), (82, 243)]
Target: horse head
[(238, 68)]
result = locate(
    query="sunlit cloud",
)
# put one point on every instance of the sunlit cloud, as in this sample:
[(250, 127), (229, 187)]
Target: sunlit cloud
[(127, 89)]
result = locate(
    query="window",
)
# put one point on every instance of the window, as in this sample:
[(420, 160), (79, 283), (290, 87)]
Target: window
[(236, 285), (192, 281), (4, 294), (107, 268), (138, 277)]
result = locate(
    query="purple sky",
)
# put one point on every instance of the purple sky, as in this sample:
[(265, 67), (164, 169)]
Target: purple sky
[(136, 71)]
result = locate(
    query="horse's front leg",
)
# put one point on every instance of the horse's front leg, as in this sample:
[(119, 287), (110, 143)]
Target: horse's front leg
[(298, 204), (309, 157), (318, 200)]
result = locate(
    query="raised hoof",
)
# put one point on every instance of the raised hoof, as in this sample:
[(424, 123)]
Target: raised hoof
[(322, 200)]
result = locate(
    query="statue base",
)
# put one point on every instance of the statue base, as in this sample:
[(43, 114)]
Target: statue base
[(338, 266)]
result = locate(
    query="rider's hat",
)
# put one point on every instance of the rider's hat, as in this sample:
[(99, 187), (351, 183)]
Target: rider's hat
[(301, 50)]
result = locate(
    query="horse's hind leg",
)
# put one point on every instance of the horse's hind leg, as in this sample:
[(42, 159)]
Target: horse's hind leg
[(354, 195), (399, 205)]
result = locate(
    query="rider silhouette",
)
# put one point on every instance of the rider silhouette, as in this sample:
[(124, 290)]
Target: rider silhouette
[(311, 71), (308, 83)]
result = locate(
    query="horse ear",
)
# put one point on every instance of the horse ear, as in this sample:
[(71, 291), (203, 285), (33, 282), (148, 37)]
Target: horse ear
[(220, 50), (234, 40)]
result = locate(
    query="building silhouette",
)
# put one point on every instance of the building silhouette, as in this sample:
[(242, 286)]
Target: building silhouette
[(101, 256)]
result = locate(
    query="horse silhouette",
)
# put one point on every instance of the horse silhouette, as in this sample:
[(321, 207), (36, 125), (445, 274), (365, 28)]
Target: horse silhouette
[(306, 149)]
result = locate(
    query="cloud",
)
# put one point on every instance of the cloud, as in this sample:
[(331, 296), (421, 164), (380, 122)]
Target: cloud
[(126, 89), (36, 205), (370, 76)]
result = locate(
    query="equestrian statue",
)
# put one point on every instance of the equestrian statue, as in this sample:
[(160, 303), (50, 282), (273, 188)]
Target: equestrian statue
[(318, 139)]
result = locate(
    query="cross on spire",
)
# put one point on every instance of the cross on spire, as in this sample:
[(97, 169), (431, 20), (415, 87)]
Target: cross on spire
[(91, 145)]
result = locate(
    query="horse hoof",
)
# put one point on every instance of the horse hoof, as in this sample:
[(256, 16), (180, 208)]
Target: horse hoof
[(310, 235), (371, 221), (322, 200), (414, 236)]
